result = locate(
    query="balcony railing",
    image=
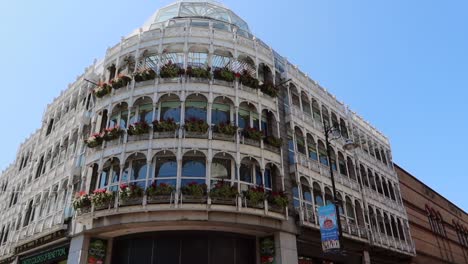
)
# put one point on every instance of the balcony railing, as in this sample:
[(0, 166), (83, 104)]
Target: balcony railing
[(177, 200)]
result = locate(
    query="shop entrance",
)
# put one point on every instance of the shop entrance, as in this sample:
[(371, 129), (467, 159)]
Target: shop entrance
[(184, 247)]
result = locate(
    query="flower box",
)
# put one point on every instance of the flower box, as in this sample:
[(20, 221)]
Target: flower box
[(138, 128), (224, 201), (159, 199), (274, 141), (144, 75), (172, 134), (246, 79), (130, 194), (226, 129), (112, 133), (170, 70), (165, 125), (255, 197), (198, 73), (102, 90), (194, 193), (131, 201), (223, 193), (269, 89), (253, 133), (220, 136), (196, 125), (120, 81), (94, 140), (161, 193), (194, 199), (224, 74), (276, 208), (102, 199)]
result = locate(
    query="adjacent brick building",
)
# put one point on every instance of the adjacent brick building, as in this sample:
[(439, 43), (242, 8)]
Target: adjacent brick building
[(438, 227)]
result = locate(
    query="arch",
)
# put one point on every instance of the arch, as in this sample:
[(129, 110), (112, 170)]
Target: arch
[(244, 65), (359, 216), (272, 176), (197, 57), (342, 164), (248, 116), (94, 177), (306, 107), (110, 175), (318, 195), (380, 222), (325, 115), (196, 107), (135, 169), (371, 179), (372, 218), (394, 227), (119, 115), (351, 169), (339, 198), (343, 128), (221, 59), (316, 111), (294, 95), (169, 105), (311, 147), (385, 188), (387, 224), (265, 75), (400, 229), (384, 159), (300, 143), (379, 184), (377, 152), (223, 167), (328, 196), (334, 120), (322, 151), (165, 168), (268, 123), (142, 110), (391, 190), (333, 159), (193, 168), (350, 209), (250, 173), (222, 111), (306, 192)]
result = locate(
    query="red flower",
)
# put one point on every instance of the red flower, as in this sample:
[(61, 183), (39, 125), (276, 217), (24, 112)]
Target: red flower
[(238, 75)]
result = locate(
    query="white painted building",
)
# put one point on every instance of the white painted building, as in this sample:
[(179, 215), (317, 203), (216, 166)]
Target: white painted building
[(181, 43)]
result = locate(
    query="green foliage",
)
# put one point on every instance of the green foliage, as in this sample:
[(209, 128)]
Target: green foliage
[(194, 189), (196, 125), (223, 190), (165, 125), (224, 74), (226, 128)]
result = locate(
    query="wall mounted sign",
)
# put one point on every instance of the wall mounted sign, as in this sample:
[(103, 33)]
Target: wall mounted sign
[(97, 251), (49, 256), (329, 228), (41, 241)]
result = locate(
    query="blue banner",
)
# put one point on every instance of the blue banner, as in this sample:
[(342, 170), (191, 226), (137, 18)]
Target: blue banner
[(329, 228)]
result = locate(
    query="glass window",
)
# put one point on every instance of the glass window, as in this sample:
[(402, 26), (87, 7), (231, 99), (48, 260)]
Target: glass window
[(245, 173), (221, 169), (258, 176), (268, 178), (195, 109), (166, 167), (104, 178), (145, 113), (139, 168), (220, 114), (170, 110), (291, 151), (244, 118), (193, 167)]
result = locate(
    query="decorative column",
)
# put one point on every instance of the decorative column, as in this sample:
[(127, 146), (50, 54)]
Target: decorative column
[(285, 248)]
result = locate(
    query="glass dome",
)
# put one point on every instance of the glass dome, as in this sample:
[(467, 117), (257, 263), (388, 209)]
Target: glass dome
[(197, 9)]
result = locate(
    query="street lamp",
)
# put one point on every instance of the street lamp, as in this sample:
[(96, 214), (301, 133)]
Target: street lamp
[(349, 145)]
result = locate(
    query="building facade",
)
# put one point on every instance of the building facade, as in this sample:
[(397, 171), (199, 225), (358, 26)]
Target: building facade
[(439, 228), (186, 135)]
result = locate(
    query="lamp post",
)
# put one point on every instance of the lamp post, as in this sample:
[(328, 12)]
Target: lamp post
[(349, 145)]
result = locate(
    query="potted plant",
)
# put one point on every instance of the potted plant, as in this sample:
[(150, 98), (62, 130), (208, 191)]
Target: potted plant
[(165, 125), (138, 128), (226, 129), (144, 75), (121, 81), (102, 199), (102, 89), (94, 140), (82, 202), (278, 201), (270, 89), (274, 141), (255, 196), (170, 70), (224, 74), (194, 192), (196, 125), (159, 193), (253, 133), (246, 79), (112, 133), (198, 72), (130, 194), (222, 192)]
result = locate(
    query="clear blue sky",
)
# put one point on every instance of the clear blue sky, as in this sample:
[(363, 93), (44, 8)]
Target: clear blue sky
[(402, 65)]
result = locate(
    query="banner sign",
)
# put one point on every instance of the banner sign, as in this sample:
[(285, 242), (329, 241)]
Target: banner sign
[(50, 256), (97, 251), (329, 228)]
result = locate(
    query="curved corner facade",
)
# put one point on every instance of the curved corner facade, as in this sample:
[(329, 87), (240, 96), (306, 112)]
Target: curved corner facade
[(191, 129)]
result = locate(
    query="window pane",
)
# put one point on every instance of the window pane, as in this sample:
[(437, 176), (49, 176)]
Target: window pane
[(245, 173), (193, 167), (166, 167)]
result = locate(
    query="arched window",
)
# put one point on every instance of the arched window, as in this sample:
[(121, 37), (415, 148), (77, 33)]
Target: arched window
[(334, 120), (316, 111), (343, 129), (394, 227), (342, 164), (195, 107), (165, 168), (350, 210), (248, 116), (221, 59), (384, 159), (244, 65), (325, 115), (306, 104), (379, 184), (193, 168), (250, 173), (306, 194), (312, 147), (270, 175), (135, 170), (318, 196), (222, 168), (119, 116), (371, 179), (197, 57), (385, 189), (265, 75), (391, 190), (333, 159), (359, 218), (110, 175), (322, 153), (296, 201), (364, 175), (352, 172), (387, 224), (170, 108), (294, 95), (300, 143), (173, 55), (372, 219), (142, 111), (328, 196), (268, 122), (221, 110), (377, 153), (380, 221)]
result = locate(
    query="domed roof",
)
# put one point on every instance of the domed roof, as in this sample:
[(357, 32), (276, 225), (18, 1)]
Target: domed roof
[(197, 8)]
